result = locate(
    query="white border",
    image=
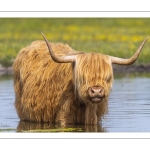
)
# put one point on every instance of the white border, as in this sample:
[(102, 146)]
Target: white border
[(75, 135), (73, 14), (74, 5), (117, 141)]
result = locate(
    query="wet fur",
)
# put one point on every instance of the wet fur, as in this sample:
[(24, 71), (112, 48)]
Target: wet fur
[(47, 91)]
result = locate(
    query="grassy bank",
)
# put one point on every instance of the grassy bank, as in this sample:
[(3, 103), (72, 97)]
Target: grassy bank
[(113, 36)]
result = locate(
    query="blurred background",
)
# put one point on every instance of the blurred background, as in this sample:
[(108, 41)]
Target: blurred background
[(113, 36)]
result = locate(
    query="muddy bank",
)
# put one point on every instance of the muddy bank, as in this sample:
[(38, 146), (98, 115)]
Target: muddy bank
[(141, 68), (116, 68), (5, 70)]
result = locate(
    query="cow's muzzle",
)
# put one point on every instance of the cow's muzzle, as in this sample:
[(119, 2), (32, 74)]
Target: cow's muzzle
[(96, 93)]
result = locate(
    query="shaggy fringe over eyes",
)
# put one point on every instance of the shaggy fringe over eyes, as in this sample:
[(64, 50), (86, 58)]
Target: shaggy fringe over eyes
[(93, 69)]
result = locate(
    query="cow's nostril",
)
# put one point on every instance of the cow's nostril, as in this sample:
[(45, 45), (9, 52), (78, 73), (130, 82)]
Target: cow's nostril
[(93, 91)]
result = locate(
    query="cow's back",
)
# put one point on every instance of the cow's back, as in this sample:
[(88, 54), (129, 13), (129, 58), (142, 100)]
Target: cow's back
[(39, 81)]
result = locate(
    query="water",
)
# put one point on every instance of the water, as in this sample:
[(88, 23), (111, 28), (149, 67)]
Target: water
[(8, 116), (129, 108)]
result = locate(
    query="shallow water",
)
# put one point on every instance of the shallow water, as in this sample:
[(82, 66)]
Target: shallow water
[(129, 109), (129, 106)]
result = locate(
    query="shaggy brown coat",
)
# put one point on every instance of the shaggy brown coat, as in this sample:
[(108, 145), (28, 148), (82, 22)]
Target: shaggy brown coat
[(47, 91)]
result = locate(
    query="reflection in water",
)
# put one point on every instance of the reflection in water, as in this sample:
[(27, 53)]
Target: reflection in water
[(128, 110), (25, 126)]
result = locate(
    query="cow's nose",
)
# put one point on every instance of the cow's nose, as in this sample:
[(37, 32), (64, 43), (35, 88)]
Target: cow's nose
[(96, 93), (96, 90)]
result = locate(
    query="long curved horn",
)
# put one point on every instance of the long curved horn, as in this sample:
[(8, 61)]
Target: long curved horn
[(59, 59), (121, 61)]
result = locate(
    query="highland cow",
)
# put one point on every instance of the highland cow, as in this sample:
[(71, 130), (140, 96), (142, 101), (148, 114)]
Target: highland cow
[(56, 84)]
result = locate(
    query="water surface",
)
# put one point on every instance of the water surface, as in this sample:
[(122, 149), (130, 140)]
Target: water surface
[(129, 109)]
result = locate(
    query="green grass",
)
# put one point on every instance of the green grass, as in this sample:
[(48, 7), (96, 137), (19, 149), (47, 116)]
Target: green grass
[(8, 130), (54, 130), (43, 130), (113, 36)]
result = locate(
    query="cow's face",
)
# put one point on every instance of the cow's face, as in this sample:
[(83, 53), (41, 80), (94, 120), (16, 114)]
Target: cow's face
[(93, 77)]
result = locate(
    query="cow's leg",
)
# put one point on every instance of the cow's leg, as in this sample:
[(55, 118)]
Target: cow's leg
[(67, 112)]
